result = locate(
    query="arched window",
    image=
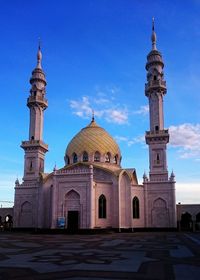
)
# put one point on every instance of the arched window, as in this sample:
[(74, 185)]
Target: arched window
[(115, 159), (136, 208), (157, 158), (85, 156), (102, 207), (156, 128), (198, 218), (198, 221), (186, 221), (97, 156), (107, 157), (31, 166), (75, 158), (26, 207), (67, 160)]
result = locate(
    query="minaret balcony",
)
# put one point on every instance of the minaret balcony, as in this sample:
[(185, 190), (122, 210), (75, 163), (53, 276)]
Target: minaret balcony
[(37, 100), (157, 136), (31, 144), (155, 84), (160, 132)]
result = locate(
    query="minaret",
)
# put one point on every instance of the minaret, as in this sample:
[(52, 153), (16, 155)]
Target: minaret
[(35, 148), (158, 137), (160, 199)]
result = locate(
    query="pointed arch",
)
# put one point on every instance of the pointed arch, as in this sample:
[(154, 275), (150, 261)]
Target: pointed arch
[(136, 208), (74, 158), (85, 156), (26, 218), (26, 207), (102, 207), (97, 156), (67, 160), (107, 157), (160, 203), (115, 160), (160, 213), (198, 217), (186, 221), (72, 195), (31, 164)]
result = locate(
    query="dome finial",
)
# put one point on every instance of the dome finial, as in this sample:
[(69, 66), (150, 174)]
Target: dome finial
[(92, 115), (153, 35), (39, 55), (152, 23)]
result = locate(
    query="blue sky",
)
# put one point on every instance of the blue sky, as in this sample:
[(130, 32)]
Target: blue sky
[(94, 55)]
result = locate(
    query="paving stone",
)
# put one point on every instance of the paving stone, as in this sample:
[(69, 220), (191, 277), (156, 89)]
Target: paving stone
[(112, 256)]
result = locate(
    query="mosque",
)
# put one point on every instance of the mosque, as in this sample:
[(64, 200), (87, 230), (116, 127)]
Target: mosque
[(92, 190)]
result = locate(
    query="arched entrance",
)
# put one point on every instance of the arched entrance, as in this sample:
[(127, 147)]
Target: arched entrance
[(198, 221), (160, 216), (72, 200), (186, 221), (26, 215)]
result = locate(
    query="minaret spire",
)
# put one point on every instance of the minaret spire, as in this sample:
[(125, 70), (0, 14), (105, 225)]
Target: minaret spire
[(155, 89), (35, 148), (153, 35), (160, 199), (39, 55)]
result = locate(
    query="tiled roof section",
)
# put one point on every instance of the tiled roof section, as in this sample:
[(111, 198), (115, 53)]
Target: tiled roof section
[(93, 138)]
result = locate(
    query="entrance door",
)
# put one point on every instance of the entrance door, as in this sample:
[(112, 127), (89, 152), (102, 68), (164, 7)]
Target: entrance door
[(186, 221), (73, 221)]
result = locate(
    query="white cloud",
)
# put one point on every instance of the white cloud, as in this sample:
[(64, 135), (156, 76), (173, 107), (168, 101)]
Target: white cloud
[(130, 141), (121, 138), (144, 110), (103, 107), (186, 137), (119, 116), (81, 108)]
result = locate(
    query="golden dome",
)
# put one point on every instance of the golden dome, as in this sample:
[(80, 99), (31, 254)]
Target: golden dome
[(93, 144)]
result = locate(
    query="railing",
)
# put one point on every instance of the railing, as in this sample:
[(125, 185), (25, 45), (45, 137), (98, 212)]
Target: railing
[(157, 132), (72, 171), (155, 83), (33, 142), (37, 99)]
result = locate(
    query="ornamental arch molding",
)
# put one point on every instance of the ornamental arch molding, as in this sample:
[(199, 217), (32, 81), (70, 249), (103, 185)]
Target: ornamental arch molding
[(160, 213), (72, 201), (26, 217)]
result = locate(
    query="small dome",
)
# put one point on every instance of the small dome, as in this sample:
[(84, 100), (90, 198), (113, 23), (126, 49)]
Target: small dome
[(93, 144)]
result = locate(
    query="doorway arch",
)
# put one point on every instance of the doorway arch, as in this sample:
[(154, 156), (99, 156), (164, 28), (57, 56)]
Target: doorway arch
[(160, 216), (198, 221), (72, 202), (186, 221)]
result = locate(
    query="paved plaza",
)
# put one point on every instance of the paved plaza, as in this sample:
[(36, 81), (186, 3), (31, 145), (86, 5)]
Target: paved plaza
[(101, 256)]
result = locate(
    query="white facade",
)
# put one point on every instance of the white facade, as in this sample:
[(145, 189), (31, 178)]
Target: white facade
[(92, 190)]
